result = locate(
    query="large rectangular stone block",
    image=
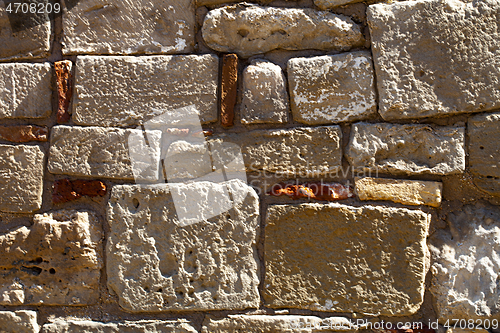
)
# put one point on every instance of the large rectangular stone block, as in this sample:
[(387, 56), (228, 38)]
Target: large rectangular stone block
[(56, 261), (104, 152), (432, 67), (183, 246), (150, 326), (27, 43), (21, 178), (332, 89), (124, 91), (129, 27), (25, 90), (329, 257), (300, 152), (406, 149)]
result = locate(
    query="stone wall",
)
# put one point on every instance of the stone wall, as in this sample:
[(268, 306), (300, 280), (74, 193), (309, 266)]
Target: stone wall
[(221, 166)]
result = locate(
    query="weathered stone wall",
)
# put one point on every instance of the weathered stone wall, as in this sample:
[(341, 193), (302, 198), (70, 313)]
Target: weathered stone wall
[(171, 166)]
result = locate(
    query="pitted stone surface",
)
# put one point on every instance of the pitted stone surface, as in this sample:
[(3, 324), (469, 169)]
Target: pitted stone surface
[(265, 99), (104, 152), (155, 263), (466, 265), (436, 57), (124, 91), (329, 4), (18, 322), (21, 178), (157, 326), (25, 90), (129, 27), (332, 89), (406, 149), (25, 44), (276, 324), (56, 261), (369, 260), (484, 153), (300, 152), (249, 29)]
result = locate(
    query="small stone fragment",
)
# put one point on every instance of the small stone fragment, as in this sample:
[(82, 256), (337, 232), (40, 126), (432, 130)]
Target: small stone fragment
[(229, 88), (466, 264), (151, 86), (25, 90), (65, 190), (406, 192), (56, 261), (318, 191), (330, 4), (276, 324), (21, 178), (406, 149), (150, 326), (28, 43), (370, 260), (428, 67), (249, 30), (104, 152), (265, 99), (123, 27), (21, 321), (332, 89), (24, 133), (64, 89), (189, 247)]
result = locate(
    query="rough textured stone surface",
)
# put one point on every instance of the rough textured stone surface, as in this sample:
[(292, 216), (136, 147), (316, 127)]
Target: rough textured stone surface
[(276, 324), (484, 153), (103, 152), (24, 133), (329, 4), (65, 190), (229, 89), (129, 27), (123, 91), (56, 261), (156, 264), (369, 260), (450, 65), (18, 321), (25, 44), (407, 149), (317, 191), (64, 89), (248, 30), (332, 89), (157, 326), (407, 192), (465, 269), (265, 99), (21, 178), (301, 152), (25, 90)]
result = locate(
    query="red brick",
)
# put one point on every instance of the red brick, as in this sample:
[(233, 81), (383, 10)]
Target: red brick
[(64, 91), (24, 133), (65, 190), (229, 88), (318, 191)]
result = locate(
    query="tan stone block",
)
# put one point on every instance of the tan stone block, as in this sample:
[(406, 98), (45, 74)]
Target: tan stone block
[(21, 321), (150, 326), (407, 192)]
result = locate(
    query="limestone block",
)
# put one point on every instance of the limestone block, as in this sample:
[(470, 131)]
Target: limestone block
[(129, 27), (56, 261), (124, 91), (249, 29), (25, 90), (407, 192), (157, 261), (466, 265), (332, 89), (28, 43), (265, 99), (18, 321), (104, 152), (435, 58), (150, 326), (329, 4), (21, 178), (331, 257), (406, 149)]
